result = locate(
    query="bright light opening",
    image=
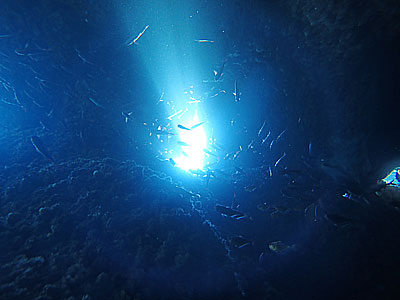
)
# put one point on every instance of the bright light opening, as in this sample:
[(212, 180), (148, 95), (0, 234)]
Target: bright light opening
[(393, 177), (192, 148)]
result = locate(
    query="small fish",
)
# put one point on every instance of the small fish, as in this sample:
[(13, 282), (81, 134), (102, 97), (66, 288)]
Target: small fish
[(82, 57), (44, 127), (163, 132), (250, 146), (40, 148), (197, 125), (209, 152), (313, 212), (316, 212), (261, 258), (227, 211), (270, 171), (272, 142), (250, 188), (309, 148), (223, 173), (193, 100), (179, 117), (183, 144), (280, 135), (183, 127), (239, 170), (338, 220), (309, 212), (22, 106), (160, 158), (37, 104), (161, 98), (216, 147), (218, 74), (173, 163), (228, 155), (197, 172), (204, 41), (236, 92), (138, 36), (208, 176), (266, 137), (95, 103), (174, 114), (263, 207), (278, 161), (9, 103), (239, 242), (127, 116), (261, 129), (279, 247), (235, 203), (236, 155), (287, 171), (278, 209)]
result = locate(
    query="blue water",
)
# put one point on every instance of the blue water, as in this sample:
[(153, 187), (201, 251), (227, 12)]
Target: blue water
[(199, 150)]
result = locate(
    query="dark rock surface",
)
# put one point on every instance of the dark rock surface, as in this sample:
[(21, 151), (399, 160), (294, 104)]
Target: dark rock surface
[(77, 230)]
